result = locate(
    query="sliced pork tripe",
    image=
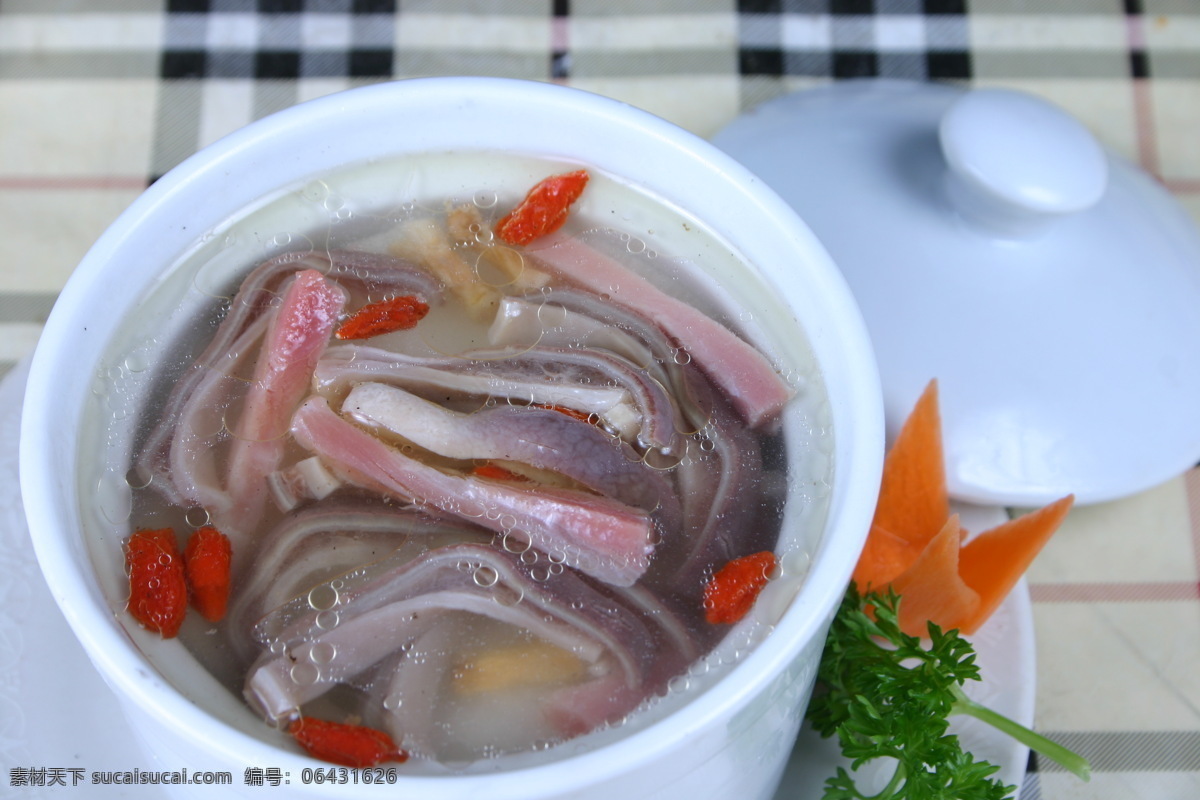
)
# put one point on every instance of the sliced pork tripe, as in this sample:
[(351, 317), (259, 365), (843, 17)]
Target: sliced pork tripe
[(580, 320), (308, 652), (754, 387), (604, 538), (504, 696), (622, 396), (190, 473), (543, 438), (723, 489), (193, 417), (293, 342), (317, 543), (286, 341)]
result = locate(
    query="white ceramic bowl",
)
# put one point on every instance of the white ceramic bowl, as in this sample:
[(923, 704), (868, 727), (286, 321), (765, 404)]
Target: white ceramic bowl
[(732, 738)]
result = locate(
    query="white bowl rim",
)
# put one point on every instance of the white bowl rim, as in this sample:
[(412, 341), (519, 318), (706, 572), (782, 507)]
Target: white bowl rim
[(123, 666)]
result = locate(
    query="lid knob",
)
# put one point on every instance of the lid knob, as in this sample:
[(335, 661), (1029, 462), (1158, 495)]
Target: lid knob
[(1017, 162)]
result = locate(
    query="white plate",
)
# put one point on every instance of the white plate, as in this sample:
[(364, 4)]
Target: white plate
[(1006, 659), (56, 714)]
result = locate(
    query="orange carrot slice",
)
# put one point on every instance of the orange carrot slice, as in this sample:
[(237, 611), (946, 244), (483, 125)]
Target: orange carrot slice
[(931, 589), (993, 562), (912, 500), (884, 556)]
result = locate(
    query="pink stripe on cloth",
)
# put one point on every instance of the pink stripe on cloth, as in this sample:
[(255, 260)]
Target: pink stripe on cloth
[(1191, 483), (1136, 591), (1182, 185), (560, 36), (1143, 102)]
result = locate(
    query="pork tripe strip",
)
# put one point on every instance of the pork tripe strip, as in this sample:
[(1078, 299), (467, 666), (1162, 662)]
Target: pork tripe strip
[(553, 328), (721, 491), (525, 321), (525, 377), (579, 320), (293, 343), (756, 389), (605, 699), (406, 687), (625, 399), (249, 304), (575, 710), (188, 475), (604, 538), (301, 482), (359, 272), (542, 438), (320, 542), (383, 612)]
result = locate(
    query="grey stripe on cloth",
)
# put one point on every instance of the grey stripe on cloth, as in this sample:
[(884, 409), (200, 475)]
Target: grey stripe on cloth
[(1031, 787), (418, 63), (1099, 64), (26, 306), (673, 62), (177, 127), (82, 7), (79, 65), (1130, 751)]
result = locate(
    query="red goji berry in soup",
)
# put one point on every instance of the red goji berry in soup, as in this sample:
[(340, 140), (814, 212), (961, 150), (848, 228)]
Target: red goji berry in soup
[(157, 588)]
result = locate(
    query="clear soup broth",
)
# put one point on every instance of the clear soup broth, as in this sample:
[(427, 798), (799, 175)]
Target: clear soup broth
[(488, 534)]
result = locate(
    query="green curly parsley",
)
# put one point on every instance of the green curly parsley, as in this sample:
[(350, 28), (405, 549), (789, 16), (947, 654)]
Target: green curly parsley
[(886, 695)]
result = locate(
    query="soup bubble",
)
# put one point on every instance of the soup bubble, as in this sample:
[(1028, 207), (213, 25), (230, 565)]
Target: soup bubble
[(322, 653), (114, 497), (196, 517), (304, 674), (323, 597)]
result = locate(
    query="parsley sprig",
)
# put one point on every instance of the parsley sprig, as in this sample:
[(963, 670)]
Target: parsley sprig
[(886, 694)]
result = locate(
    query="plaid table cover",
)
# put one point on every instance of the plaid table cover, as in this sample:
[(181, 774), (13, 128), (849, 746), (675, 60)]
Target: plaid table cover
[(99, 97)]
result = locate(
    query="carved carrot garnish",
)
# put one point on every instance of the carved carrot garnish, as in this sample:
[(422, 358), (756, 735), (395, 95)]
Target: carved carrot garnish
[(916, 548)]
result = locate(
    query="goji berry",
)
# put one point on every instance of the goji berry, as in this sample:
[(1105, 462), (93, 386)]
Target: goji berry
[(344, 744), (574, 413), (544, 209), (731, 592), (496, 472), (207, 565), (385, 316), (157, 588)]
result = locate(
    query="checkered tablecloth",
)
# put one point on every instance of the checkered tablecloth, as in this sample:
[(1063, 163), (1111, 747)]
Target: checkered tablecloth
[(99, 97)]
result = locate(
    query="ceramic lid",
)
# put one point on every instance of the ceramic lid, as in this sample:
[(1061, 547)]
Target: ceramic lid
[(1052, 288)]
